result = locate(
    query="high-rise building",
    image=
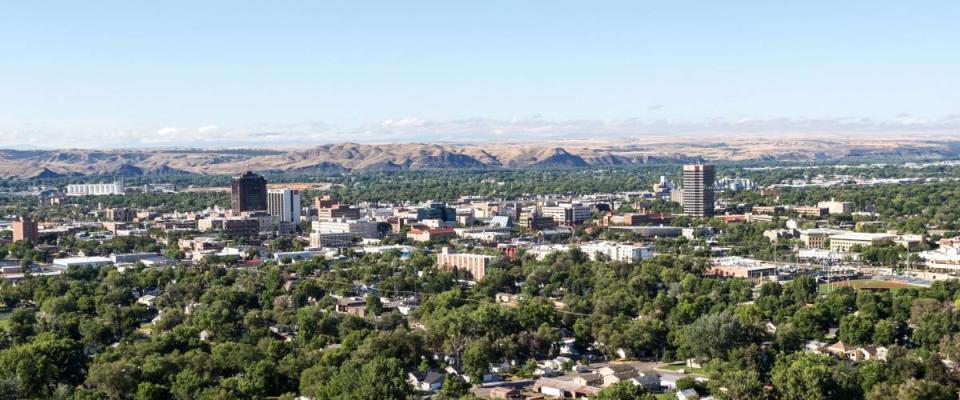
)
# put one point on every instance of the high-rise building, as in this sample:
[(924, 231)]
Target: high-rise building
[(698, 195), (285, 204), (248, 192), (25, 229)]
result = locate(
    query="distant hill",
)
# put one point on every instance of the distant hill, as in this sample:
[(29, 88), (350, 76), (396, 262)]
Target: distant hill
[(342, 157)]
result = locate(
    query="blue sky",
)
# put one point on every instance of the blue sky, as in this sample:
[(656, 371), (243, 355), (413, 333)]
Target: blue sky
[(103, 73)]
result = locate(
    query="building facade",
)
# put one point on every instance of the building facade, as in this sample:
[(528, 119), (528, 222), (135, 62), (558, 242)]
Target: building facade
[(121, 214), (284, 204), (698, 195), (248, 192), (25, 229), (567, 214), (475, 264)]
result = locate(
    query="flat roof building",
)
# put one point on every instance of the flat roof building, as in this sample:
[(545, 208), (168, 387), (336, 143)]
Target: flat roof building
[(25, 229), (248, 192), (698, 195)]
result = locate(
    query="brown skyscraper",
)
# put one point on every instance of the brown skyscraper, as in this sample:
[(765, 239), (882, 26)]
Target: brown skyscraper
[(248, 193), (25, 229), (698, 190)]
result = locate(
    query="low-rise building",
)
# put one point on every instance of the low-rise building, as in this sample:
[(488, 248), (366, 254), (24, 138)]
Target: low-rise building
[(818, 238), (742, 268), (567, 214), (836, 207), (92, 262), (617, 251), (844, 242), (431, 234)]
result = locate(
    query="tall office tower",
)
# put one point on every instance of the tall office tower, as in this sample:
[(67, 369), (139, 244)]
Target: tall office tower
[(698, 190), (25, 229), (284, 203), (248, 192)]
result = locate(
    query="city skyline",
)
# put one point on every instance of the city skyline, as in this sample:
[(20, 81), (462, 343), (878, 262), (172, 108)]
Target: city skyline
[(120, 75)]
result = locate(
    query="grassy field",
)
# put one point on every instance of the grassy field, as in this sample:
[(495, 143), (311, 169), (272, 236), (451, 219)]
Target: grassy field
[(863, 284)]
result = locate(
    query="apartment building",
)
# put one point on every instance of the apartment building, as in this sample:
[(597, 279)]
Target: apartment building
[(475, 264)]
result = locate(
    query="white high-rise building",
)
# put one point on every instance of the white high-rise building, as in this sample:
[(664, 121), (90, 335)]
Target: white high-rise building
[(285, 204)]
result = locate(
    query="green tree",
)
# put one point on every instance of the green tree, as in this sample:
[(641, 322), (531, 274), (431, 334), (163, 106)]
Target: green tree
[(624, 390), (713, 335), (856, 330), (806, 376), (454, 387), (374, 306)]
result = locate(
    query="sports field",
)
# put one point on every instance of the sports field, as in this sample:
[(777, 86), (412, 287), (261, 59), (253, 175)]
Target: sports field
[(863, 284)]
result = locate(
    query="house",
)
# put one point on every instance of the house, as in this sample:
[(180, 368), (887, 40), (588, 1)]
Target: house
[(669, 381), (507, 393), (868, 353), (617, 377), (611, 369), (429, 381), (770, 327), (507, 298), (649, 380), (563, 388), (588, 379), (148, 300), (814, 346), (352, 305), (839, 349), (557, 364), (568, 346), (687, 394)]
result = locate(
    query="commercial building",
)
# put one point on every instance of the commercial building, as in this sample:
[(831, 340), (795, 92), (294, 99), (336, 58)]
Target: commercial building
[(358, 228), (836, 207), (617, 251), (284, 204), (121, 214), (815, 212), (650, 231), (944, 259), (475, 264), (338, 211), (25, 229), (698, 196), (818, 238), (431, 234), (248, 192), (437, 210), (843, 242), (95, 189), (567, 214), (234, 226), (94, 262), (536, 221), (770, 210), (740, 267), (335, 240)]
